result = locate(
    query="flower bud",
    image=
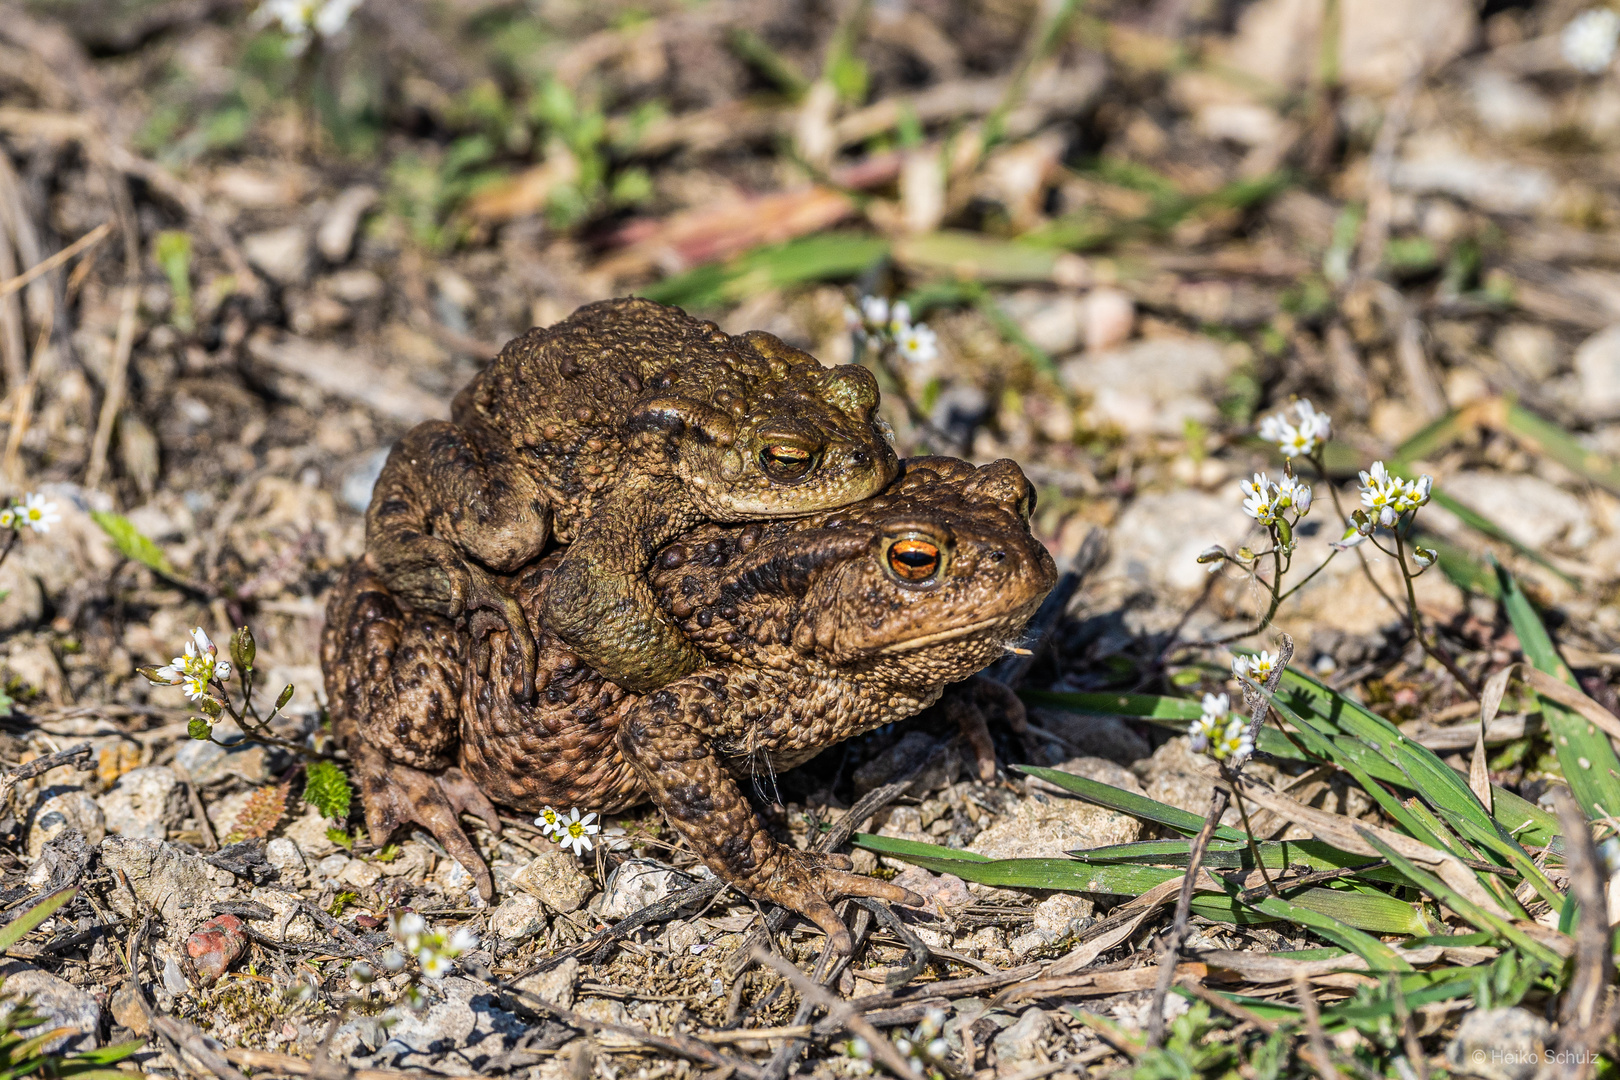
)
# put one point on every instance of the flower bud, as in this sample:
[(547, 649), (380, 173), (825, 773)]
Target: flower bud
[(243, 649), (1213, 554), (210, 705), (199, 729), (1386, 517), (284, 697), (1423, 556), (150, 674)]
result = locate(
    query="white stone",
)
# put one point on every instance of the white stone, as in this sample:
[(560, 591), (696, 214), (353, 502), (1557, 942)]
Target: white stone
[(517, 918), (359, 873), (280, 254), (288, 922), (1062, 915), (335, 236), (60, 809), (284, 855), (309, 832), (1022, 1041), (161, 876), (1528, 508), (1508, 106), (1109, 319), (557, 881), (1529, 349), (144, 803), (1152, 386), (636, 884), (58, 1002), (1378, 39), (555, 985), (1053, 321), (1158, 537), (1434, 164), (1049, 826), (1597, 367)]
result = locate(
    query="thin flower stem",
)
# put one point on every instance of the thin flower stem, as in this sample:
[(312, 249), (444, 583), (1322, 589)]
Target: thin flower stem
[(1306, 579), (11, 542), (1440, 655), (1248, 831)]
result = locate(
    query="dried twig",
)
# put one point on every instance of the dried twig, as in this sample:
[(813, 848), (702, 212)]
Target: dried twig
[(842, 1012), (1584, 1025), (45, 266), (1317, 1054), (77, 756)]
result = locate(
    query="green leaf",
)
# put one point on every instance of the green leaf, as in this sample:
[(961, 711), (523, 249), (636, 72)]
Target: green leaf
[(15, 930), (131, 544), (1127, 802), (1343, 919), (326, 788), (1585, 753)]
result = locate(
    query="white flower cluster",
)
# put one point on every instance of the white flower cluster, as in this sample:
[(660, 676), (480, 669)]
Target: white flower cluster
[(1266, 501), (877, 321), (194, 671), (1589, 40), (433, 949), (1256, 668), (300, 20), (1384, 498), (569, 830), (924, 1049), (1298, 439), (32, 511), (1218, 733)]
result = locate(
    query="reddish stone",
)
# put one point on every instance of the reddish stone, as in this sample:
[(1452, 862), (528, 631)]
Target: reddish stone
[(215, 946)]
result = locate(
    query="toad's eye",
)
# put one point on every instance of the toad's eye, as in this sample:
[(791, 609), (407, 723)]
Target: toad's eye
[(786, 462), (913, 559)]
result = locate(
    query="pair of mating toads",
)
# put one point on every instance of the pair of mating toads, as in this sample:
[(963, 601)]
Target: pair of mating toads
[(646, 559)]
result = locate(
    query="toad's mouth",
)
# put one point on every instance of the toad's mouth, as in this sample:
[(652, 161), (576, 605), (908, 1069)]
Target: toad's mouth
[(940, 637)]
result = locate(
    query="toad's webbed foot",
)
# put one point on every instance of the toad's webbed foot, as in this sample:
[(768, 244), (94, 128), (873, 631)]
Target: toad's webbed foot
[(808, 883), (397, 795), (490, 609)]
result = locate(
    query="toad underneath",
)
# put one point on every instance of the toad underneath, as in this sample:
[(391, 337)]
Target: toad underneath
[(812, 630)]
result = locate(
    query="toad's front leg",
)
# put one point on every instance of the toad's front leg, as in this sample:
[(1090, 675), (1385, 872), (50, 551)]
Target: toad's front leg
[(663, 739)]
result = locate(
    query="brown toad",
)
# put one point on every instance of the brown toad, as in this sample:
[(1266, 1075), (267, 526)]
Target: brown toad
[(614, 431), (813, 630)]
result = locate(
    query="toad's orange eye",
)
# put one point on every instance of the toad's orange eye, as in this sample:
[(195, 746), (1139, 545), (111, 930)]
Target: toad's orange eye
[(914, 560), (786, 461)]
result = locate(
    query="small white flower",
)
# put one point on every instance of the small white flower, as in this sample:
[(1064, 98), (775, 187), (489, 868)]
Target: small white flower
[(435, 965), (550, 821), (361, 974), (899, 318), (1423, 556), (875, 309), (1352, 538), (1260, 503), (917, 344), (333, 16), (393, 960), (462, 940), (1319, 425), (9, 519), (36, 512), (1296, 439), (1256, 668), (407, 928), (577, 831), (1589, 40), (1293, 495), (854, 322)]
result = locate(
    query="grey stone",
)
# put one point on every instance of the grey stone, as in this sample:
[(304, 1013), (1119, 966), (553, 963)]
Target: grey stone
[(636, 884), (1502, 1044), (1376, 39), (309, 833), (332, 866), (59, 809), (557, 881), (556, 985), (1597, 370), (288, 921), (144, 803), (1047, 826), (1153, 386), (1177, 776), (163, 877), (284, 855), (62, 1004), (174, 980), (359, 873), (1062, 915), (358, 482), (518, 917), (1053, 321), (280, 254), (462, 1032), (205, 762), (334, 238), (1022, 1041)]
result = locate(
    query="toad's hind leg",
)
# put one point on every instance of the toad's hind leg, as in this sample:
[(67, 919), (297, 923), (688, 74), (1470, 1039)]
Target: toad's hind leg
[(452, 503)]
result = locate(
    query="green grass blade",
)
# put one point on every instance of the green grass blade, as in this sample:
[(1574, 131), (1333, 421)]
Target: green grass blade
[(1459, 903), (1547, 438), (1337, 926), (1127, 802), (1588, 760), (18, 928)]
